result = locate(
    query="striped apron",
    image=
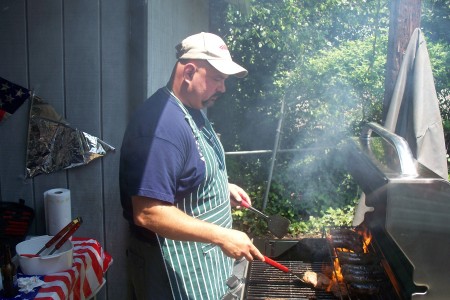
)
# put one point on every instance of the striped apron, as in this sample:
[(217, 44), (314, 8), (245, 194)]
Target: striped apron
[(199, 270)]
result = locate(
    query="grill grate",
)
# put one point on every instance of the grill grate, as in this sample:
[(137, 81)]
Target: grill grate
[(266, 282)]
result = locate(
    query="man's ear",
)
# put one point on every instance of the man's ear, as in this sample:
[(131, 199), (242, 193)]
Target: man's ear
[(189, 71)]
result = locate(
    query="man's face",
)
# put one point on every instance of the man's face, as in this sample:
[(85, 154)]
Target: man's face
[(206, 86)]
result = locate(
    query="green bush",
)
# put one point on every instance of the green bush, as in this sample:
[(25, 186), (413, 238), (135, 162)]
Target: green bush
[(312, 191)]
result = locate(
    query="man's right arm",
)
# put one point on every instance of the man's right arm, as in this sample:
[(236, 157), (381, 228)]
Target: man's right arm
[(168, 221)]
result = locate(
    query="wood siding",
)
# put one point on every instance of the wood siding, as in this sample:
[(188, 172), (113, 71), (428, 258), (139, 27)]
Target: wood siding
[(93, 61)]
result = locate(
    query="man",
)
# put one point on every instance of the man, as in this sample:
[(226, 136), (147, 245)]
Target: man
[(174, 185)]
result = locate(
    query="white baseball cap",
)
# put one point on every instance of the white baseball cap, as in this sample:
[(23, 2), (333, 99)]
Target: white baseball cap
[(212, 48)]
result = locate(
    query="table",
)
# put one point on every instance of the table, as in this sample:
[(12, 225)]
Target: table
[(82, 281)]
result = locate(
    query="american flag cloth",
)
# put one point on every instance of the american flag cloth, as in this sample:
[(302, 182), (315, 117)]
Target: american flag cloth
[(12, 96), (90, 263)]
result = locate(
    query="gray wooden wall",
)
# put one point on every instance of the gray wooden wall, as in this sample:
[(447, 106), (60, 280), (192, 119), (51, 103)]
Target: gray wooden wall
[(93, 61)]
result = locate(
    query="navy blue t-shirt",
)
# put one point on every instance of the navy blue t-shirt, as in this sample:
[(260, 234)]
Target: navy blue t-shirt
[(159, 156)]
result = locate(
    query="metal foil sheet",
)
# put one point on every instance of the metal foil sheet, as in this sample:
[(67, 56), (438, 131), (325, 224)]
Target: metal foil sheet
[(53, 145)]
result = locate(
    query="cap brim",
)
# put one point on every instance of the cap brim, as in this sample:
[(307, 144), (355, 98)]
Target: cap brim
[(228, 67)]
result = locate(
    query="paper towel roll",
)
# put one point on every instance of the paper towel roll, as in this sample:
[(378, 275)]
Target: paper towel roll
[(58, 211)]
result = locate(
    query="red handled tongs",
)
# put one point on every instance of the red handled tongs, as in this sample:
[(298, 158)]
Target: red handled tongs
[(283, 268), (68, 234), (62, 236)]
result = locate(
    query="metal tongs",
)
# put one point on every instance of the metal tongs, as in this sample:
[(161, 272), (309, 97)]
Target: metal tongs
[(62, 236), (276, 224), (283, 268)]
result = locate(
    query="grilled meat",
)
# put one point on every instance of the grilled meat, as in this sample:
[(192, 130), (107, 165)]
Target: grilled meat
[(362, 270), (338, 289), (354, 258), (348, 242), (365, 288), (345, 232), (363, 278), (317, 280), (321, 281)]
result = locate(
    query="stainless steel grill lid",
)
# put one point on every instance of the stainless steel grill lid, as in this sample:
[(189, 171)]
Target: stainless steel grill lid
[(411, 206)]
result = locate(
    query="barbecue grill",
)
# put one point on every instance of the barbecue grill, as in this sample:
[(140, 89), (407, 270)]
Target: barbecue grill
[(408, 228)]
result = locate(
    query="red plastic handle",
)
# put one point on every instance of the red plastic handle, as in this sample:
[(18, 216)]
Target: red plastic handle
[(61, 232), (276, 264), (244, 203), (67, 235)]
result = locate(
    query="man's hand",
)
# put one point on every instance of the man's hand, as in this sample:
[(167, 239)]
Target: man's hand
[(237, 194), (237, 244), (170, 222)]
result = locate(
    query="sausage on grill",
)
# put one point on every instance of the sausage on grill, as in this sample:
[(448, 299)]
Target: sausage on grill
[(373, 270), (357, 258), (365, 288), (347, 243), (345, 232), (363, 278)]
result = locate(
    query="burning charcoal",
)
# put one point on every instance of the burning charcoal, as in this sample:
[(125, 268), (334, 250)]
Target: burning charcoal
[(317, 280), (357, 258)]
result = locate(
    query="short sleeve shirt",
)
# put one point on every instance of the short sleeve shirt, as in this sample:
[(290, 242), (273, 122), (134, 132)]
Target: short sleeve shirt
[(160, 158)]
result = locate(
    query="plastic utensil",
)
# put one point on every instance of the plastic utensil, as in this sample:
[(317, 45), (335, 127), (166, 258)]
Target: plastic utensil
[(75, 222), (66, 237)]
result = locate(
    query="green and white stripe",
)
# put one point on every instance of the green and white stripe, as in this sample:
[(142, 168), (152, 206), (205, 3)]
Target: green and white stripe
[(198, 270)]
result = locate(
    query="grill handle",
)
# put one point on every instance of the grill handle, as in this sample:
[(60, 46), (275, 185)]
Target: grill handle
[(407, 165)]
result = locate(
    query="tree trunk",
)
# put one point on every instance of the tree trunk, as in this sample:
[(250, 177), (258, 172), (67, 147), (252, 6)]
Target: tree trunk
[(404, 18)]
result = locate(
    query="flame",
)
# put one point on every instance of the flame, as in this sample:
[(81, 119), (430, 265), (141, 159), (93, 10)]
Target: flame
[(337, 282), (367, 238), (344, 250), (337, 279), (337, 275)]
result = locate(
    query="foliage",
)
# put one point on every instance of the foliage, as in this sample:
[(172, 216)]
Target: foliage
[(444, 105), (276, 43), (325, 60), (435, 20), (339, 88), (439, 53), (255, 224), (331, 217)]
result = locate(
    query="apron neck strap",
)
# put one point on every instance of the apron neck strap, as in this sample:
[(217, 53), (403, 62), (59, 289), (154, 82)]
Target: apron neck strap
[(187, 115)]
